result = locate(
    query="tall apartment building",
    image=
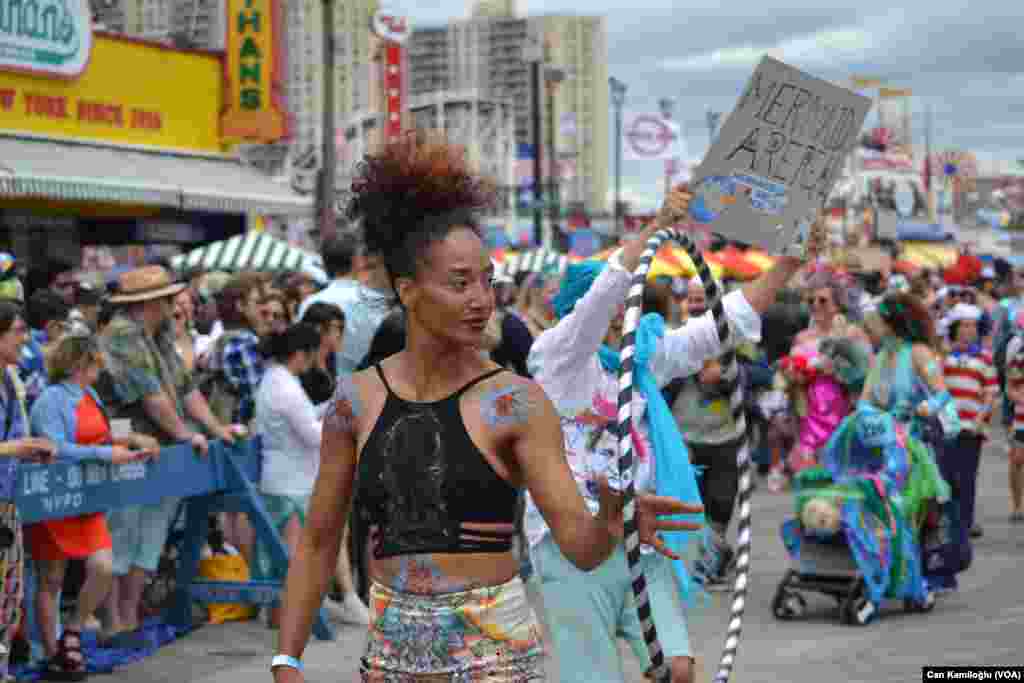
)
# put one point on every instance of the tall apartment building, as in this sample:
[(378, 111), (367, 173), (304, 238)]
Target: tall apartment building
[(484, 54), (198, 23), (493, 8), (581, 102), (201, 24)]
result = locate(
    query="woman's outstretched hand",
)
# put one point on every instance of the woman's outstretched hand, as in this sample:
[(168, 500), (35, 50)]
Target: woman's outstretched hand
[(650, 513)]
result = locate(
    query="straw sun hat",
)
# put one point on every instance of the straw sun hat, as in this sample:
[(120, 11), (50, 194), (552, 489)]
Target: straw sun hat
[(144, 284)]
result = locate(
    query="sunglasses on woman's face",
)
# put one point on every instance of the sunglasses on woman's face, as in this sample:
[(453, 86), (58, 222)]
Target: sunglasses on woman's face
[(819, 301)]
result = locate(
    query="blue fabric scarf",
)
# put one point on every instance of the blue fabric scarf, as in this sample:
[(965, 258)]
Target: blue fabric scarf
[(675, 476)]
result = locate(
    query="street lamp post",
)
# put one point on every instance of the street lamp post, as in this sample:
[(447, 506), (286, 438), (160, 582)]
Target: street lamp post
[(618, 93), (553, 76), (327, 195), (533, 53), (667, 106)]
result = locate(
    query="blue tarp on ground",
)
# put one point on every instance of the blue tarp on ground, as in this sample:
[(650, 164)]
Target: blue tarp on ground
[(155, 633)]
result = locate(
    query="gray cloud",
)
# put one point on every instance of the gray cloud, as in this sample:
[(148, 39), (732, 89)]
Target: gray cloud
[(962, 59)]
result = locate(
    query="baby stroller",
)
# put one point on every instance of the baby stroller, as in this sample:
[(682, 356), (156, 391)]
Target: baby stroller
[(859, 520)]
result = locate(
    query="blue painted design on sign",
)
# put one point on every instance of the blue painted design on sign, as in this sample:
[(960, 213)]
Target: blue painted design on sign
[(714, 196)]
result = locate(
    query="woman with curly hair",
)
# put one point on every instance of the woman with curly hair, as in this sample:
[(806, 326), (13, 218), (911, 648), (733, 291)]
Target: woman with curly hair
[(907, 381), (435, 442)]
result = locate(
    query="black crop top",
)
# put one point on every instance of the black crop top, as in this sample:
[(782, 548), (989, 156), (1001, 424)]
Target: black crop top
[(420, 477)]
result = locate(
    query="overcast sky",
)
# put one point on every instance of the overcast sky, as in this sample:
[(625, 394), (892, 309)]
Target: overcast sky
[(965, 62)]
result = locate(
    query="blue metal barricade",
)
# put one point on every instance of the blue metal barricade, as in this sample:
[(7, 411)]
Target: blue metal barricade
[(221, 481)]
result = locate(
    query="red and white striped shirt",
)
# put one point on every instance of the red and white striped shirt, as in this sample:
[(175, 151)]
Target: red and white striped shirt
[(970, 380)]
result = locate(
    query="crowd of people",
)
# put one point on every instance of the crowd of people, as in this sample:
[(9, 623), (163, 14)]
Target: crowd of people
[(461, 427)]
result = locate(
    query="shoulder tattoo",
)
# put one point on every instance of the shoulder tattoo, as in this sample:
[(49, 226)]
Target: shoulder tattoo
[(344, 406), (507, 405)]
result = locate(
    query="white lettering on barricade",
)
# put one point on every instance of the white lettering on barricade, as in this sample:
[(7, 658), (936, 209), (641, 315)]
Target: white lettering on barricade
[(223, 477), (95, 474), (74, 477)]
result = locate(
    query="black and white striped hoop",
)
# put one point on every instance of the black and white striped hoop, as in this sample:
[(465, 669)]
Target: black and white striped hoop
[(634, 309)]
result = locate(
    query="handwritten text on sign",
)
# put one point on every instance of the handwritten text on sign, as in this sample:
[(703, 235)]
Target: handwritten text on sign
[(777, 156), (799, 138)]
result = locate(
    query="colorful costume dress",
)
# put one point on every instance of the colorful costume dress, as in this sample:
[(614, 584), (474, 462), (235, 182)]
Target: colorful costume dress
[(895, 387), (825, 398), (880, 479)]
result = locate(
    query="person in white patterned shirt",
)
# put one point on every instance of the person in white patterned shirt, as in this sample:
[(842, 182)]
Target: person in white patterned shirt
[(566, 361)]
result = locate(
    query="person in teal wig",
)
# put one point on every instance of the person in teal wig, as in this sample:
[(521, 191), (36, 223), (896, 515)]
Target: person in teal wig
[(576, 362)]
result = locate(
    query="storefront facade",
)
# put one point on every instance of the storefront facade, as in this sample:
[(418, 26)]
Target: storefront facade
[(110, 140)]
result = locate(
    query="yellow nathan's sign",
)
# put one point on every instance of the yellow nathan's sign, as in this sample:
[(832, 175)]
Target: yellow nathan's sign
[(253, 111), (130, 92)]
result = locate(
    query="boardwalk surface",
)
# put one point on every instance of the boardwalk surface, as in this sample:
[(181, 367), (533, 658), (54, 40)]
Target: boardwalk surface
[(982, 624)]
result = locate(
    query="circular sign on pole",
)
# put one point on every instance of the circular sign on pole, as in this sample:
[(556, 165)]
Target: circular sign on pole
[(649, 137), (391, 27)]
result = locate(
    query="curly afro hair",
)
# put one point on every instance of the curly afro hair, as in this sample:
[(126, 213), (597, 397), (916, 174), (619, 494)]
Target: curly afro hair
[(413, 193)]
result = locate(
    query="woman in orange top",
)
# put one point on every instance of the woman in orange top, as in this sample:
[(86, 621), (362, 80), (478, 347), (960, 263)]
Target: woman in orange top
[(69, 413)]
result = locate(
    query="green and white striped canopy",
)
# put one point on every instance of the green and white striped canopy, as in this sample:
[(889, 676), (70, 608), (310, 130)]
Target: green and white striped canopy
[(536, 260), (251, 251)]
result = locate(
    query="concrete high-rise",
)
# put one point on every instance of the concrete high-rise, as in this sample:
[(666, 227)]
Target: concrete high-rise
[(353, 70), (579, 45), (485, 54), (188, 23), (493, 8), (201, 24)]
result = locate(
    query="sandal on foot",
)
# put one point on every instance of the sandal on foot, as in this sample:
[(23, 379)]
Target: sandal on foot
[(69, 662)]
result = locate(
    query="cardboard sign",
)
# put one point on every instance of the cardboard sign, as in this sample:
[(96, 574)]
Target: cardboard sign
[(777, 156)]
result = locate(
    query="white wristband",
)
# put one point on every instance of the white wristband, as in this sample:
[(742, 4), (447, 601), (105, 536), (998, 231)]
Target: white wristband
[(286, 660)]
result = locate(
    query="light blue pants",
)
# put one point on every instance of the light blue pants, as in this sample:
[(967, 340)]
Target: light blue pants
[(585, 612), (138, 534)]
